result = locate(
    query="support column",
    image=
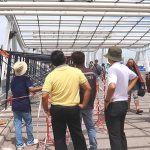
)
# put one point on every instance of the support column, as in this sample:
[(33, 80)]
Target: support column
[(98, 55), (90, 57), (6, 45), (87, 59), (137, 57), (102, 56), (95, 55), (14, 44)]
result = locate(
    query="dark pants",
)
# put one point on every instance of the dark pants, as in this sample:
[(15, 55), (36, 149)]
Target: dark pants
[(115, 118), (63, 116)]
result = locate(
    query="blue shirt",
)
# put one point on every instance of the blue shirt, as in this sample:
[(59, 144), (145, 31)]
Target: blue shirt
[(20, 87)]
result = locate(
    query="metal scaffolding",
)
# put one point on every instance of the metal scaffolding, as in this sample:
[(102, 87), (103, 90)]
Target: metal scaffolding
[(84, 25), (70, 25)]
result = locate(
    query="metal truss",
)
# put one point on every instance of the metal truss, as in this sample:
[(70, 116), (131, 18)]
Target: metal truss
[(68, 25)]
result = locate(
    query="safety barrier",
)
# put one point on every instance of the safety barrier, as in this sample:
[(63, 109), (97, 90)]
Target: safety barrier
[(48, 140), (99, 106)]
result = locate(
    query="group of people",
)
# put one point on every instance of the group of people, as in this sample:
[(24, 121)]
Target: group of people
[(72, 91)]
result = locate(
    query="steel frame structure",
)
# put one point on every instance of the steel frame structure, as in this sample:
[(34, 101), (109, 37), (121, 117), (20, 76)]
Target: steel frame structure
[(50, 24)]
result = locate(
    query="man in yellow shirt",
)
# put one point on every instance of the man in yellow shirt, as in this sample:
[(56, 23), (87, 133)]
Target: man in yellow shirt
[(63, 84)]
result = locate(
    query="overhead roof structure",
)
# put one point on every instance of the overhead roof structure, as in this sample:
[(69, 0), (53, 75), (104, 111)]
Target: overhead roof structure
[(86, 25)]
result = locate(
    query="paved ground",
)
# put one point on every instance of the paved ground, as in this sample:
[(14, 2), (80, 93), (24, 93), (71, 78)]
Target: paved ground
[(137, 129)]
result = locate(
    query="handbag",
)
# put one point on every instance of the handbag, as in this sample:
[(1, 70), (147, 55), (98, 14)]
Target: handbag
[(148, 82), (141, 91)]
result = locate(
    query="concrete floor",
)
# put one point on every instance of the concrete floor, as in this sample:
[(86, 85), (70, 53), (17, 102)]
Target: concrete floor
[(137, 129)]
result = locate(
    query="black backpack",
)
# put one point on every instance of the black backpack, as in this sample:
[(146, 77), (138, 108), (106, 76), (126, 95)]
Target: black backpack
[(98, 71)]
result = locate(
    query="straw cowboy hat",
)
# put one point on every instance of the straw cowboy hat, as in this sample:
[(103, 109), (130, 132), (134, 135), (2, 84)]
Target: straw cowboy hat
[(114, 53), (20, 68)]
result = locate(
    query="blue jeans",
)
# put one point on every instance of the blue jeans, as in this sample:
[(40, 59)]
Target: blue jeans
[(87, 115), (26, 116)]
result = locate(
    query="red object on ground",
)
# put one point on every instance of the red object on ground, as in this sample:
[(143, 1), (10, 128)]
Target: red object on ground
[(49, 139), (10, 100)]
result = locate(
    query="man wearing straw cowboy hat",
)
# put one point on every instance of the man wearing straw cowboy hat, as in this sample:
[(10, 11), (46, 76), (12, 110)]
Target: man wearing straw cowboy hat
[(120, 81), (21, 86)]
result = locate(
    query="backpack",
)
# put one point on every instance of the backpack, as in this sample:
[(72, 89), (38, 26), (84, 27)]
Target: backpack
[(98, 70)]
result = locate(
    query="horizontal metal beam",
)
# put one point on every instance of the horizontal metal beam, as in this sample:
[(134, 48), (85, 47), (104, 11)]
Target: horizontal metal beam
[(110, 20), (81, 45), (76, 13), (46, 32), (69, 50), (86, 35), (74, 4), (83, 25), (94, 39), (92, 47), (86, 41), (75, 9), (33, 56)]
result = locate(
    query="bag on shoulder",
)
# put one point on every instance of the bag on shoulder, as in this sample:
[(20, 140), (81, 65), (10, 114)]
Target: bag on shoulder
[(148, 82), (141, 91), (98, 70)]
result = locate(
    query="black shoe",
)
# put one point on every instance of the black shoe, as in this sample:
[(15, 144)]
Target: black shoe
[(139, 111)]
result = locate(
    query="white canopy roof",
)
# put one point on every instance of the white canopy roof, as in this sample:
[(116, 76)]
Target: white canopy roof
[(79, 25)]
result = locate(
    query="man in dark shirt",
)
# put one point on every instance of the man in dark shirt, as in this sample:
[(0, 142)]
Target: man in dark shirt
[(21, 86), (97, 68), (78, 58)]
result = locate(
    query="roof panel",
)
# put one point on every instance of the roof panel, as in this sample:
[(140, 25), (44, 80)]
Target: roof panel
[(48, 18), (130, 19), (126, 29), (77, 31), (71, 17), (130, 1), (18, 17)]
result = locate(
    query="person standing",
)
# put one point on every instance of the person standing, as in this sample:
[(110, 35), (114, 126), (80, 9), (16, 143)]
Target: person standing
[(103, 72), (91, 65), (78, 58), (133, 66), (120, 81), (21, 86), (97, 68), (63, 84), (147, 78)]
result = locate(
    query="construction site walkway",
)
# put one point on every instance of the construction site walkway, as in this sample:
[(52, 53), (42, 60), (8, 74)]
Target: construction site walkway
[(137, 128)]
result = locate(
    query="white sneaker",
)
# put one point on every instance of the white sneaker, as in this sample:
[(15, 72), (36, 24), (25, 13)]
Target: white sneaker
[(36, 141), (21, 147)]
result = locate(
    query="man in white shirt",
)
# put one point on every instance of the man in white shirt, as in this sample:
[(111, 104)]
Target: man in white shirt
[(120, 81)]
